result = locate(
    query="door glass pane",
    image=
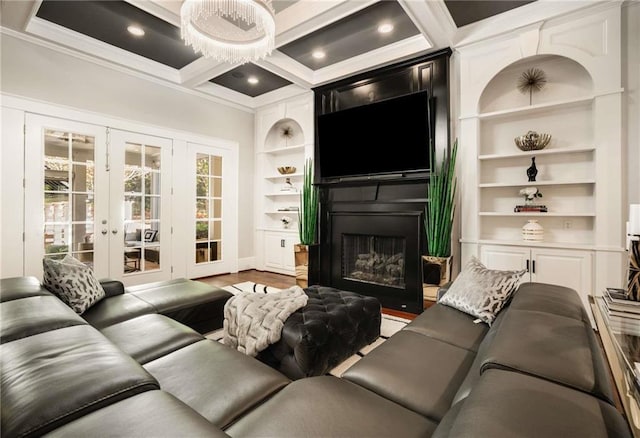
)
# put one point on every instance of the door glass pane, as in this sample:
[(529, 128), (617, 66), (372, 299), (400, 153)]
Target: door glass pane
[(142, 208), (208, 181), (202, 208), (152, 183), (68, 195)]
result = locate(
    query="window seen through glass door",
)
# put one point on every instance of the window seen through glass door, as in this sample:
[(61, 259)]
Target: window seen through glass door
[(208, 208), (142, 171), (68, 195)]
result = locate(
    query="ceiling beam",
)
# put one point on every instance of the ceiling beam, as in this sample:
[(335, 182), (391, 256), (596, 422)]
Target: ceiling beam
[(433, 20)]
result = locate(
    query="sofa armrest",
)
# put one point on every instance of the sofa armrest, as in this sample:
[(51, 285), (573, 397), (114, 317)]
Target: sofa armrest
[(443, 290), (112, 287)]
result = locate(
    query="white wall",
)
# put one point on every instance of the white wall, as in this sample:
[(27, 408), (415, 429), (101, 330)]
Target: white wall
[(631, 84), (31, 71)]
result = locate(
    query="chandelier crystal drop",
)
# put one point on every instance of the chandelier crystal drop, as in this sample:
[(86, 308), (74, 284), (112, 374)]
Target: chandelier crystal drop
[(235, 31)]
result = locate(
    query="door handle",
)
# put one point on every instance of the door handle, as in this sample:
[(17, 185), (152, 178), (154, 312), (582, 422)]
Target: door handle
[(533, 265), (281, 243)]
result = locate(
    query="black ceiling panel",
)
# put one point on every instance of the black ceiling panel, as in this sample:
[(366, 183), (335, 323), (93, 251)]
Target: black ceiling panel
[(107, 21), (352, 35), (466, 12), (236, 80)]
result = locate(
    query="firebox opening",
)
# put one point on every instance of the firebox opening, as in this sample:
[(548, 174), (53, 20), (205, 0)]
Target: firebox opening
[(374, 259)]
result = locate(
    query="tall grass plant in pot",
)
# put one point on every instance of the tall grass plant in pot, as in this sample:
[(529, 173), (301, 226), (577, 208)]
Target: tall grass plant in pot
[(438, 218), (307, 224)]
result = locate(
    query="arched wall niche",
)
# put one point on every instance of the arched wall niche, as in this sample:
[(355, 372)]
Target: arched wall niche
[(566, 79), (276, 137)]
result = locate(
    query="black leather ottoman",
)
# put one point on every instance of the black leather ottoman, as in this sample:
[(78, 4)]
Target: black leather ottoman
[(334, 325)]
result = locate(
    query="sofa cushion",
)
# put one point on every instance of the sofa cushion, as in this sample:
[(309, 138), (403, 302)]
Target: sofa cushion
[(560, 349), (116, 309), (481, 292), (33, 315), (152, 413), (449, 325), (425, 384), (55, 377), (326, 406), (549, 298), (149, 337), (21, 287), (193, 303), (514, 405), (215, 380), (73, 282)]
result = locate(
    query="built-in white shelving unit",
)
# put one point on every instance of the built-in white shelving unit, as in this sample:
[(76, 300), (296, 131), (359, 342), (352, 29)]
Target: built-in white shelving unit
[(578, 171), (278, 195)]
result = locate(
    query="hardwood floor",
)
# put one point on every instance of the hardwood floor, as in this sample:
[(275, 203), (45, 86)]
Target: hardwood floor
[(269, 278), (276, 280)]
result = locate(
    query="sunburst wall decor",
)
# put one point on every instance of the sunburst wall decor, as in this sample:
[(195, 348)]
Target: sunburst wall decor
[(532, 80)]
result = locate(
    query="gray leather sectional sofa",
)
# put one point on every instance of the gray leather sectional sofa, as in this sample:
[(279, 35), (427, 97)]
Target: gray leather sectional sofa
[(538, 371)]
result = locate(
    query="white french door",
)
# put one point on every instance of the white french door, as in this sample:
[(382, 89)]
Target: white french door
[(103, 196), (140, 207), (212, 217), (66, 193)]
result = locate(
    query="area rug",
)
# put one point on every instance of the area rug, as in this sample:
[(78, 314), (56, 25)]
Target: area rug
[(389, 325)]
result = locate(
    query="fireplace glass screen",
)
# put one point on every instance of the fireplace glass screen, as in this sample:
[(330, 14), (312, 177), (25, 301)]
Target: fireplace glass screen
[(374, 259)]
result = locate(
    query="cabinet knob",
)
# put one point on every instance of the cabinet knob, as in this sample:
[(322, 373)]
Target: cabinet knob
[(281, 243)]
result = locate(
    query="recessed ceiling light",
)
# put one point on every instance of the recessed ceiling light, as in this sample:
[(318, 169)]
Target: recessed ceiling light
[(318, 54), (252, 80), (385, 27), (136, 30)]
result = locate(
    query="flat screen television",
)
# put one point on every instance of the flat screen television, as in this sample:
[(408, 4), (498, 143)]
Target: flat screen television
[(385, 138)]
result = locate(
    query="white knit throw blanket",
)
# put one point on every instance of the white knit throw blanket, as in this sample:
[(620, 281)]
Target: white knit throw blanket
[(254, 321)]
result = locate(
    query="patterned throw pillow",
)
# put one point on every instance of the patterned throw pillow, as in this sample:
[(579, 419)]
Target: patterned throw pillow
[(73, 282), (481, 292)]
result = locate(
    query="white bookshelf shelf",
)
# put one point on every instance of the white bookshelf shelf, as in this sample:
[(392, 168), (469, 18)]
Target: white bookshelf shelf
[(573, 150), (559, 104), (283, 193), (283, 177), (534, 213), (284, 150), (537, 183)]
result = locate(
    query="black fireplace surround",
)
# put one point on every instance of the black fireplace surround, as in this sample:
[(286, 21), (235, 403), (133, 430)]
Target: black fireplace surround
[(371, 229)]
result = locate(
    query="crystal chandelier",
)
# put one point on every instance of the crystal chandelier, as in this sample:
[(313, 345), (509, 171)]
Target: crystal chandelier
[(235, 31)]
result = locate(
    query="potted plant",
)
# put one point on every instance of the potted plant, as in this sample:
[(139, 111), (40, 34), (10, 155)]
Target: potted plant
[(307, 221), (438, 218)]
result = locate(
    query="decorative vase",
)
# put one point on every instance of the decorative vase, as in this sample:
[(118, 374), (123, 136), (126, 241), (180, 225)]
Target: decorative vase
[(532, 171), (532, 231), (436, 270)]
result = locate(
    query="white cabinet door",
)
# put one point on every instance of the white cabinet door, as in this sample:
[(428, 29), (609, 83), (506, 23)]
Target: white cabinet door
[(569, 268), (506, 258), (288, 256), (278, 252), (273, 246)]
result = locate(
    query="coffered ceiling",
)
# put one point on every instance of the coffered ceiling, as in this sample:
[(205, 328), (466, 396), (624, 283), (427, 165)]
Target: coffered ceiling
[(317, 41)]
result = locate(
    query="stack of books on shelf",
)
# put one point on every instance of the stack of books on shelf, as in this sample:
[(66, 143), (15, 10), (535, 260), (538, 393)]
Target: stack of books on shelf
[(530, 208)]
